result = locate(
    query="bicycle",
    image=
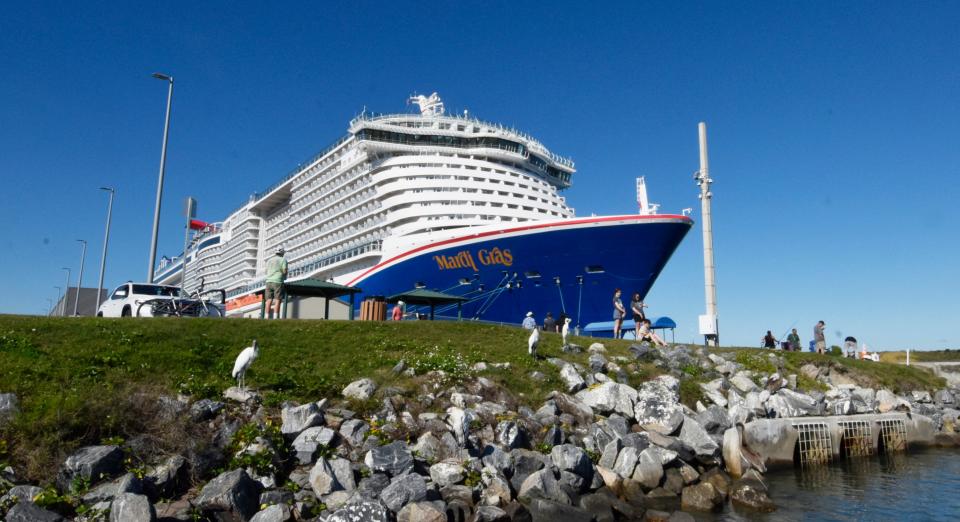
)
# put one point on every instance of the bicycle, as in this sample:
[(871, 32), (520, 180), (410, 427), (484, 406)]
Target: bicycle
[(199, 303)]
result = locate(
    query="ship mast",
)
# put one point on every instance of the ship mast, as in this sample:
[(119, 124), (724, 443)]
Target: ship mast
[(709, 324)]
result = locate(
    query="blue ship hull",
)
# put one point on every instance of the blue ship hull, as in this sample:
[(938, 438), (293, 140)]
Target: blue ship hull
[(568, 267)]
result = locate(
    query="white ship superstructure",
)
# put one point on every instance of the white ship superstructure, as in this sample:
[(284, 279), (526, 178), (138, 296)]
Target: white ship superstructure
[(393, 182)]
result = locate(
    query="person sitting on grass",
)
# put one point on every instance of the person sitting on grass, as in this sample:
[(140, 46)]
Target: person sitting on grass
[(646, 334)]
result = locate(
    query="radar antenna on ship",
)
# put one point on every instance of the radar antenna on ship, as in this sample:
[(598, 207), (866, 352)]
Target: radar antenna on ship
[(646, 208), (429, 105)]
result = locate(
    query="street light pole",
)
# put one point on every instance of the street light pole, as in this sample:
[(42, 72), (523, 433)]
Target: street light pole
[(83, 255), (163, 164), (106, 239), (66, 293), (59, 296)]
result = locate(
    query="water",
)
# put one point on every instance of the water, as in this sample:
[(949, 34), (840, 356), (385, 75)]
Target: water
[(919, 485)]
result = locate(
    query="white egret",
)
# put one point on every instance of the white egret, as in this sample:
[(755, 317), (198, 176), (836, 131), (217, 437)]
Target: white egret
[(533, 341), (566, 330), (244, 360)]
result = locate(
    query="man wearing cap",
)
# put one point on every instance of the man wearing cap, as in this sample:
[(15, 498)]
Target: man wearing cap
[(276, 274), (529, 323), (398, 311)]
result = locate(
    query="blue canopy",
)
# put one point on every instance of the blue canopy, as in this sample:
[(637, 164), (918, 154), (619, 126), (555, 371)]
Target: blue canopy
[(664, 322), (605, 328)]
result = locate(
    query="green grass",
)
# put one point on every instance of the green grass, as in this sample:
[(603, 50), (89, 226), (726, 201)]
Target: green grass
[(921, 356), (84, 380)]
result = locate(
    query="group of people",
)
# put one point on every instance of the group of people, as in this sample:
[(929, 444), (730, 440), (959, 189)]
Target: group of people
[(819, 344), (643, 328)]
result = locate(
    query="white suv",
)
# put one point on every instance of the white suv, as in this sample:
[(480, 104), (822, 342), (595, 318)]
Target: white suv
[(148, 300)]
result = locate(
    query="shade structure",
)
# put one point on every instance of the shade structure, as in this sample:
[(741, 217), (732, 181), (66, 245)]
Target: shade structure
[(431, 298), (313, 288)]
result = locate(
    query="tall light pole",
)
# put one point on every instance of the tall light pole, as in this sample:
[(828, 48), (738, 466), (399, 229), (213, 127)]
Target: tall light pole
[(83, 255), (709, 324), (106, 239), (59, 296), (163, 164), (66, 293)]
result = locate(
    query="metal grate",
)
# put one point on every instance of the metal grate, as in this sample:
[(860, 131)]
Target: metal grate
[(857, 439), (893, 435), (813, 443)]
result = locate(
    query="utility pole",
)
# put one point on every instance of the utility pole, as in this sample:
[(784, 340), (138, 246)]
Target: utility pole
[(83, 255), (709, 323)]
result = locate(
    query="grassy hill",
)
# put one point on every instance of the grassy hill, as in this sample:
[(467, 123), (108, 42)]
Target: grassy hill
[(921, 356), (82, 380)]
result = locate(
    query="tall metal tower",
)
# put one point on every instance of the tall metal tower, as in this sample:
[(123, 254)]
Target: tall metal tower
[(709, 324)]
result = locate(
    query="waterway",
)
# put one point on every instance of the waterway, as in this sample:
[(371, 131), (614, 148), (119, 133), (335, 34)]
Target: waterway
[(919, 485)]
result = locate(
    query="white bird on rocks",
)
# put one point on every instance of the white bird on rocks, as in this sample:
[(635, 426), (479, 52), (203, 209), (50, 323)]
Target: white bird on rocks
[(566, 330), (533, 341), (244, 360)]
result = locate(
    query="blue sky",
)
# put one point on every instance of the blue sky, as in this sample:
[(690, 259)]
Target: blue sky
[(833, 133)]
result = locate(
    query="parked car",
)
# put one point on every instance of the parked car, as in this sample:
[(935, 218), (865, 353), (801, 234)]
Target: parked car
[(148, 300)]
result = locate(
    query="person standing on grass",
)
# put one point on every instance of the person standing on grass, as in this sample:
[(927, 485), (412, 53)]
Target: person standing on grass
[(636, 307), (793, 340), (398, 311), (818, 338), (549, 324), (618, 312), (276, 275), (529, 323)]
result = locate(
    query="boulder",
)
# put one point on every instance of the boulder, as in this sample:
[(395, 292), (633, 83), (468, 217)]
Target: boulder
[(597, 363), (30, 512), (719, 480), (944, 398), (697, 438), (494, 457), (354, 431), (572, 379), (404, 490), (649, 469), (168, 479), (310, 440), (90, 463), (542, 485), (422, 512), (323, 479), (626, 461), (743, 382), (21, 494), (511, 435), (447, 473), (887, 401), (107, 491), (370, 488), (428, 447), (393, 459), (573, 407), (459, 421), (800, 402), (129, 507), (343, 471), (490, 514), (360, 512), (242, 395), (9, 407), (274, 513), (567, 457), (657, 408), (205, 409), (751, 494), (230, 497), (700, 497), (298, 418), (361, 389), (525, 463), (714, 419), (610, 397), (713, 390), (610, 452)]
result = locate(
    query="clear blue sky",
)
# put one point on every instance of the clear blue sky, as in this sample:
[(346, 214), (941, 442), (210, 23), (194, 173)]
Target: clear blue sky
[(834, 133)]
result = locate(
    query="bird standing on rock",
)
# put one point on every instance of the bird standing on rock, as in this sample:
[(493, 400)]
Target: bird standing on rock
[(533, 341), (244, 360), (566, 330)]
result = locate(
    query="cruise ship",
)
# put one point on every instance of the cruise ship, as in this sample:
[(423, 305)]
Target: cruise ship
[(441, 201)]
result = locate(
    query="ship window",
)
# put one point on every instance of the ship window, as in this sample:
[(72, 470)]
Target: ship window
[(593, 269), (532, 274), (460, 127)]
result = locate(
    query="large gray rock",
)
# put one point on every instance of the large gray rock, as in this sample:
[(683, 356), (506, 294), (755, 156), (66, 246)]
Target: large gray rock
[(21, 494), (542, 484), (800, 402), (510, 435), (944, 398), (298, 418), (30, 512), (700, 497), (525, 463), (567, 457), (323, 479), (428, 447), (422, 512), (545, 510), (393, 459), (572, 379), (626, 461), (447, 473), (274, 513), (168, 479), (107, 491), (360, 512), (128, 507), (370, 488), (311, 440), (404, 490), (354, 431), (230, 497), (887, 401), (649, 469), (657, 409), (742, 381), (713, 390), (360, 390), (497, 459), (597, 363), (697, 438), (491, 514), (90, 463), (610, 397), (343, 470), (608, 458), (751, 494), (205, 409), (714, 419)]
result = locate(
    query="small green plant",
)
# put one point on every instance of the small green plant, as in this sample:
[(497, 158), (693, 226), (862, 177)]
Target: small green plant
[(50, 499), (91, 514), (472, 479), (273, 447), (593, 455), (112, 441), (544, 447)]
